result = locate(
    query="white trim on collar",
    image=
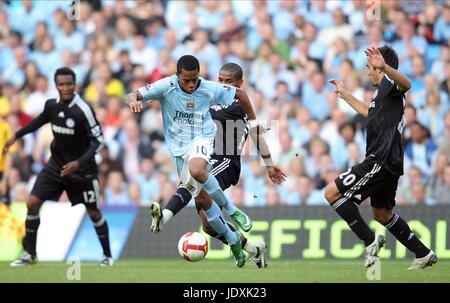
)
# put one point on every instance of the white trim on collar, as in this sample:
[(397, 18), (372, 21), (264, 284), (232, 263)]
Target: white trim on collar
[(72, 103)]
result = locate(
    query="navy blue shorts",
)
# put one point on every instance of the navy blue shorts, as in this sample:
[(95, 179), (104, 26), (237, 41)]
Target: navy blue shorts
[(368, 179)]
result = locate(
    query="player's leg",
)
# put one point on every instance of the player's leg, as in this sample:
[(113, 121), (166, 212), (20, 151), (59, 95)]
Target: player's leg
[(227, 174), (350, 189), (32, 223), (383, 203), (215, 219), (176, 203), (198, 169), (102, 230), (255, 249), (48, 186), (86, 191), (339, 194)]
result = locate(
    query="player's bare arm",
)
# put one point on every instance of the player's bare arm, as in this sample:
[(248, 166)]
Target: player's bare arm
[(255, 128), (134, 101), (375, 58), (244, 100), (356, 104), (274, 172)]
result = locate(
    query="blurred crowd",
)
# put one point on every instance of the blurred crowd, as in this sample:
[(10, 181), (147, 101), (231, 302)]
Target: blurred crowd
[(288, 49)]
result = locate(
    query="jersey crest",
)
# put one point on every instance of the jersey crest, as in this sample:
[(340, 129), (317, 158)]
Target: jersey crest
[(70, 123), (190, 104)]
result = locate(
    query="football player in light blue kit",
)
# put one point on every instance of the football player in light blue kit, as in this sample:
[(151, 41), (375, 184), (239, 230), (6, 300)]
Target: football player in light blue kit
[(189, 132)]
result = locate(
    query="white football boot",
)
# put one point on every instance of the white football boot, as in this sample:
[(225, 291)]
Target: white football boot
[(156, 213), (25, 259), (420, 263), (371, 251)]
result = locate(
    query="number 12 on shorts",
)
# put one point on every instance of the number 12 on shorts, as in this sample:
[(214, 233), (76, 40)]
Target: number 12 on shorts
[(89, 196)]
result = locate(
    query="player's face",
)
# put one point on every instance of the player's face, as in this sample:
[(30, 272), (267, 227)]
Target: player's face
[(227, 77), (374, 74), (65, 86), (188, 80)]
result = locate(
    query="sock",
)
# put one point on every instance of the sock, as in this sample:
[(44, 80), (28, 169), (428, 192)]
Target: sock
[(222, 238), (215, 192), (31, 226), (179, 200), (101, 227), (250, 248), (216, 220), (400, 229), (167, 215), (176, 203), (350, 213)]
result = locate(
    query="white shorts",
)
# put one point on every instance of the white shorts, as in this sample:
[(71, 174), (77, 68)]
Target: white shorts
[(201, 148)]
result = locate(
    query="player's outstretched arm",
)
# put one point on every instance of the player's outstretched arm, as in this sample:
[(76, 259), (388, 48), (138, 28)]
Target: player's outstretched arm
[(33, 125), (356, 104), (375, 58), (275, 173), (244, 100)]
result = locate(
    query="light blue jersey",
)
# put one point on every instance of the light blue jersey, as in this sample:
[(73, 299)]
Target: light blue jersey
[(186, 116)]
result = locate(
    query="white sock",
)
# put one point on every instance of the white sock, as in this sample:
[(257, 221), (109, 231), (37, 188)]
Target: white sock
[(167, 215), (250, 247)]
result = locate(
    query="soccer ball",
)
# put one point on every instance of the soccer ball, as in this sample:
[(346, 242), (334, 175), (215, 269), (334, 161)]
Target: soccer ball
[(193, 246)]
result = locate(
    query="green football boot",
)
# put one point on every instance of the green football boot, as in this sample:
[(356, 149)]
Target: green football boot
[(242, 220), (238, 253)]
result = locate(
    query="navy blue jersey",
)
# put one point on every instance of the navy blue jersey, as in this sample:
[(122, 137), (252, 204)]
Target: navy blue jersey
[(385, 126), (232, 130), (77, 133)]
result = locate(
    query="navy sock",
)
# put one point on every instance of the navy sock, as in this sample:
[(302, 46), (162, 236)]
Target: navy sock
[(101, 227), (179, 200), (350, 213), (400, 229), (31, 226)]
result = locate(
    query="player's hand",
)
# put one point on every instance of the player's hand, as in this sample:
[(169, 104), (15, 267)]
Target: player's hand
[(133, 102), (8, 144), (70, 168), (339, 88), (276, 174), (136, 106), (375, 58)]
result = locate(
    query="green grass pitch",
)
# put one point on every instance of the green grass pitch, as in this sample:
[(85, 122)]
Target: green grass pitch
[(208, 271)]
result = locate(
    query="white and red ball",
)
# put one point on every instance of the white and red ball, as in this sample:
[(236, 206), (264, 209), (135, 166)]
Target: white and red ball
[(193, 246)]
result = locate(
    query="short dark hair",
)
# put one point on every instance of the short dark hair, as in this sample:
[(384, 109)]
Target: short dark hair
[(235, 69), (187, 62), (65, 71), (390, 56)]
